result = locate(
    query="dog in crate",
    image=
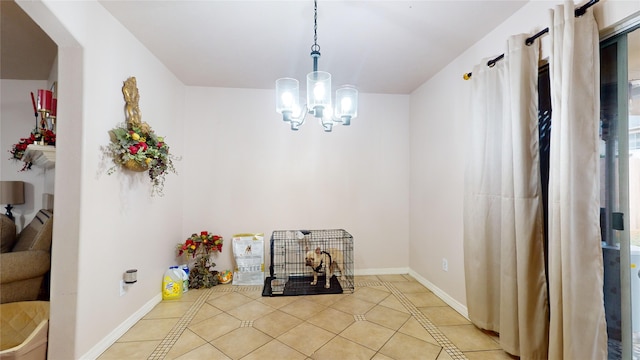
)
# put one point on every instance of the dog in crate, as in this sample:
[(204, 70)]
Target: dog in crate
[(326, 262)]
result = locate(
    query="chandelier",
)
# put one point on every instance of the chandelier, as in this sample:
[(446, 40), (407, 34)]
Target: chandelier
[(318, 94)]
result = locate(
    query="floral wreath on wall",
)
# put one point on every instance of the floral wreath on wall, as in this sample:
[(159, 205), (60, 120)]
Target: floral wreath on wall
[(136, 147)]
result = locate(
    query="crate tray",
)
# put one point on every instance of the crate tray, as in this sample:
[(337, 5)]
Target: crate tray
[(301, 285)]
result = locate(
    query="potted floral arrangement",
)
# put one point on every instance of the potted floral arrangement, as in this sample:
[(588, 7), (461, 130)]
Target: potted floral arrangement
[(44, 135), (201, 247)]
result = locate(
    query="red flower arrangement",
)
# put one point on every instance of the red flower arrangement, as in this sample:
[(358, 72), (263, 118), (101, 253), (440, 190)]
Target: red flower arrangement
[(204, 243), (17, 150), (201, 247)]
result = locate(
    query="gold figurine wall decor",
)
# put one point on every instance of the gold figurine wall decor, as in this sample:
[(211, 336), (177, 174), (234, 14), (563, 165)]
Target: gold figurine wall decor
[(136, 147)]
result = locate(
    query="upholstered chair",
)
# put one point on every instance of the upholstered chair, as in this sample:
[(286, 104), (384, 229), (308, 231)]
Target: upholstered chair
[(7, 233), (22, 269)]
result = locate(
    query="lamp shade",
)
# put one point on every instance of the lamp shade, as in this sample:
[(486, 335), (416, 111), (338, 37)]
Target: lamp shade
[(287, 92), (12, 192), (346, 104), (318, 91)]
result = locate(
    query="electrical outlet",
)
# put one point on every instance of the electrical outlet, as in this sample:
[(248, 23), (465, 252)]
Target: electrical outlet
[(445, 264), (123, 290)]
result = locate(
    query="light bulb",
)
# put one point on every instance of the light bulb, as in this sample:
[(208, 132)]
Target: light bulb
[(318, 91), (345, 104), (287, 99)]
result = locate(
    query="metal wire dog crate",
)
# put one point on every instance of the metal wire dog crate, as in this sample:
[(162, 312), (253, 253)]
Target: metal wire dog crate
[(289, 272)]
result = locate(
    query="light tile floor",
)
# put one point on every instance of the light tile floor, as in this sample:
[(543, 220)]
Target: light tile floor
[(387, 317)]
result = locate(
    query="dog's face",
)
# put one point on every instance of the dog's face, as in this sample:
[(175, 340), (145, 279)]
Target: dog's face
[(312, 258)]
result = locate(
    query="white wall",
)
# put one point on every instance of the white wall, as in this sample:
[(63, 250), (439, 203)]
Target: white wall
[(17, 121), (105, 224), (248, 172), (440, 114)]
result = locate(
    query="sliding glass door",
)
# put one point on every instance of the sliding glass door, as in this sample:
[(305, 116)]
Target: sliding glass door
[(620, 191)]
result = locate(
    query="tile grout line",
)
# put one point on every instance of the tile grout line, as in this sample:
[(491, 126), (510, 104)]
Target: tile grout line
[(174, 334), (433, 330)]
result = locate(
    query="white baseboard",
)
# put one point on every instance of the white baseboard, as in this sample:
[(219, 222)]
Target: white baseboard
[(387, 271), (117, 333), (455, 304)]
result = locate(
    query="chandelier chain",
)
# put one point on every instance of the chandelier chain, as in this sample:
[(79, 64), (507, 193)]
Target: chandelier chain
[(315, 46)]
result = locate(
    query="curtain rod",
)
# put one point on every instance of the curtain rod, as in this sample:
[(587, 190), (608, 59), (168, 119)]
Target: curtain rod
[(578, 12)]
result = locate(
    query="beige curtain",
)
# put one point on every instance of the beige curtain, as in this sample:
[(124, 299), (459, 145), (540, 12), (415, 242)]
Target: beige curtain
[(577, 328), (482, 201), (503, 233)]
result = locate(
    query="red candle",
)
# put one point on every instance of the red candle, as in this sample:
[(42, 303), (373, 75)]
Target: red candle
[(33, 102), (44, 100), (54, 107)]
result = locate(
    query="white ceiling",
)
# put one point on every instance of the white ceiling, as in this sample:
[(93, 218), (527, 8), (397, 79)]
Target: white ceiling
[(379, 46), (387, 47)]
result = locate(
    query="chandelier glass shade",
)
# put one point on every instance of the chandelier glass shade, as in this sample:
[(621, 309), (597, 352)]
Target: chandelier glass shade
[(318, 95)]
